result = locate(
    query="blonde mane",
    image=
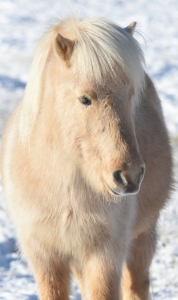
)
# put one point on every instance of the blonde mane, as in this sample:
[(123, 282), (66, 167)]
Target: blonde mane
[(100, 46), (34, 89)]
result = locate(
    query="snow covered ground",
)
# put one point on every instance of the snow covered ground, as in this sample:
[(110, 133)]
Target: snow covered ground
[(22, 22)]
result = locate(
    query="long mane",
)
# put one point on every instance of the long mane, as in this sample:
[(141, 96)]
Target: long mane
[(100, 45), (33, 95)]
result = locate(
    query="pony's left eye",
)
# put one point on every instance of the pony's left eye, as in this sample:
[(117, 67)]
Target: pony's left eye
[(85, 100)]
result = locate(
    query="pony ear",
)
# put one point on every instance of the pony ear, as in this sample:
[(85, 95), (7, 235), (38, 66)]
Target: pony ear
[(64, 47), (131, 28)]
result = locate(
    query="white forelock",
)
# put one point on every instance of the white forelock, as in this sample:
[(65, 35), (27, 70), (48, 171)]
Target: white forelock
[(101, 45)]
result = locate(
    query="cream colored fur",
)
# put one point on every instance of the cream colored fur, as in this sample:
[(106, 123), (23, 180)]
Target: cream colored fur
[(58, 159)]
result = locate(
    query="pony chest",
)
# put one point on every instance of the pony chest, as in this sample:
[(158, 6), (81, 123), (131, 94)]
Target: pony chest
[(83, 228)]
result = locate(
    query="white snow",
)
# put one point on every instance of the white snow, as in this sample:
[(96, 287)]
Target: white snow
[(22, 22)]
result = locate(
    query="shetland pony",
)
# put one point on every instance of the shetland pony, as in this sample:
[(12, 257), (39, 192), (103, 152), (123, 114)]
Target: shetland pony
[(86, 163)]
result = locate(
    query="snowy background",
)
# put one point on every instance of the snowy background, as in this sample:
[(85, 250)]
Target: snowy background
[(22, 22)]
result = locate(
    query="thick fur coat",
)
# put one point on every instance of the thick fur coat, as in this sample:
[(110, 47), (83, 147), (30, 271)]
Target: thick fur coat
[(86, 163)]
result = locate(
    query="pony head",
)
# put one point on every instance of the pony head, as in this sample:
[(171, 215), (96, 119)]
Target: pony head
[(90, 76)]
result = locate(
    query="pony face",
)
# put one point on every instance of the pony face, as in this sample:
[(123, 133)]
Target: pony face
[(98, 133), (101, 91), (90, 77)]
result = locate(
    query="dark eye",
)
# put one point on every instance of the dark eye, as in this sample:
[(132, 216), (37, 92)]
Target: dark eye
[(85, 100)]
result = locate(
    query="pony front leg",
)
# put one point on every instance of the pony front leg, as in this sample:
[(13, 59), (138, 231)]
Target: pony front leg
[(53, 284), (52, 276), (101, 279), (136, 271)]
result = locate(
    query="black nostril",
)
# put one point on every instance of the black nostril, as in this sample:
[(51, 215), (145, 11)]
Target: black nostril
[(117, 177), (142, 172)]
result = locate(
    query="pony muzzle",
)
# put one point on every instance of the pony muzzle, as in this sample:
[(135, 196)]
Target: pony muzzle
[(125, 183)]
